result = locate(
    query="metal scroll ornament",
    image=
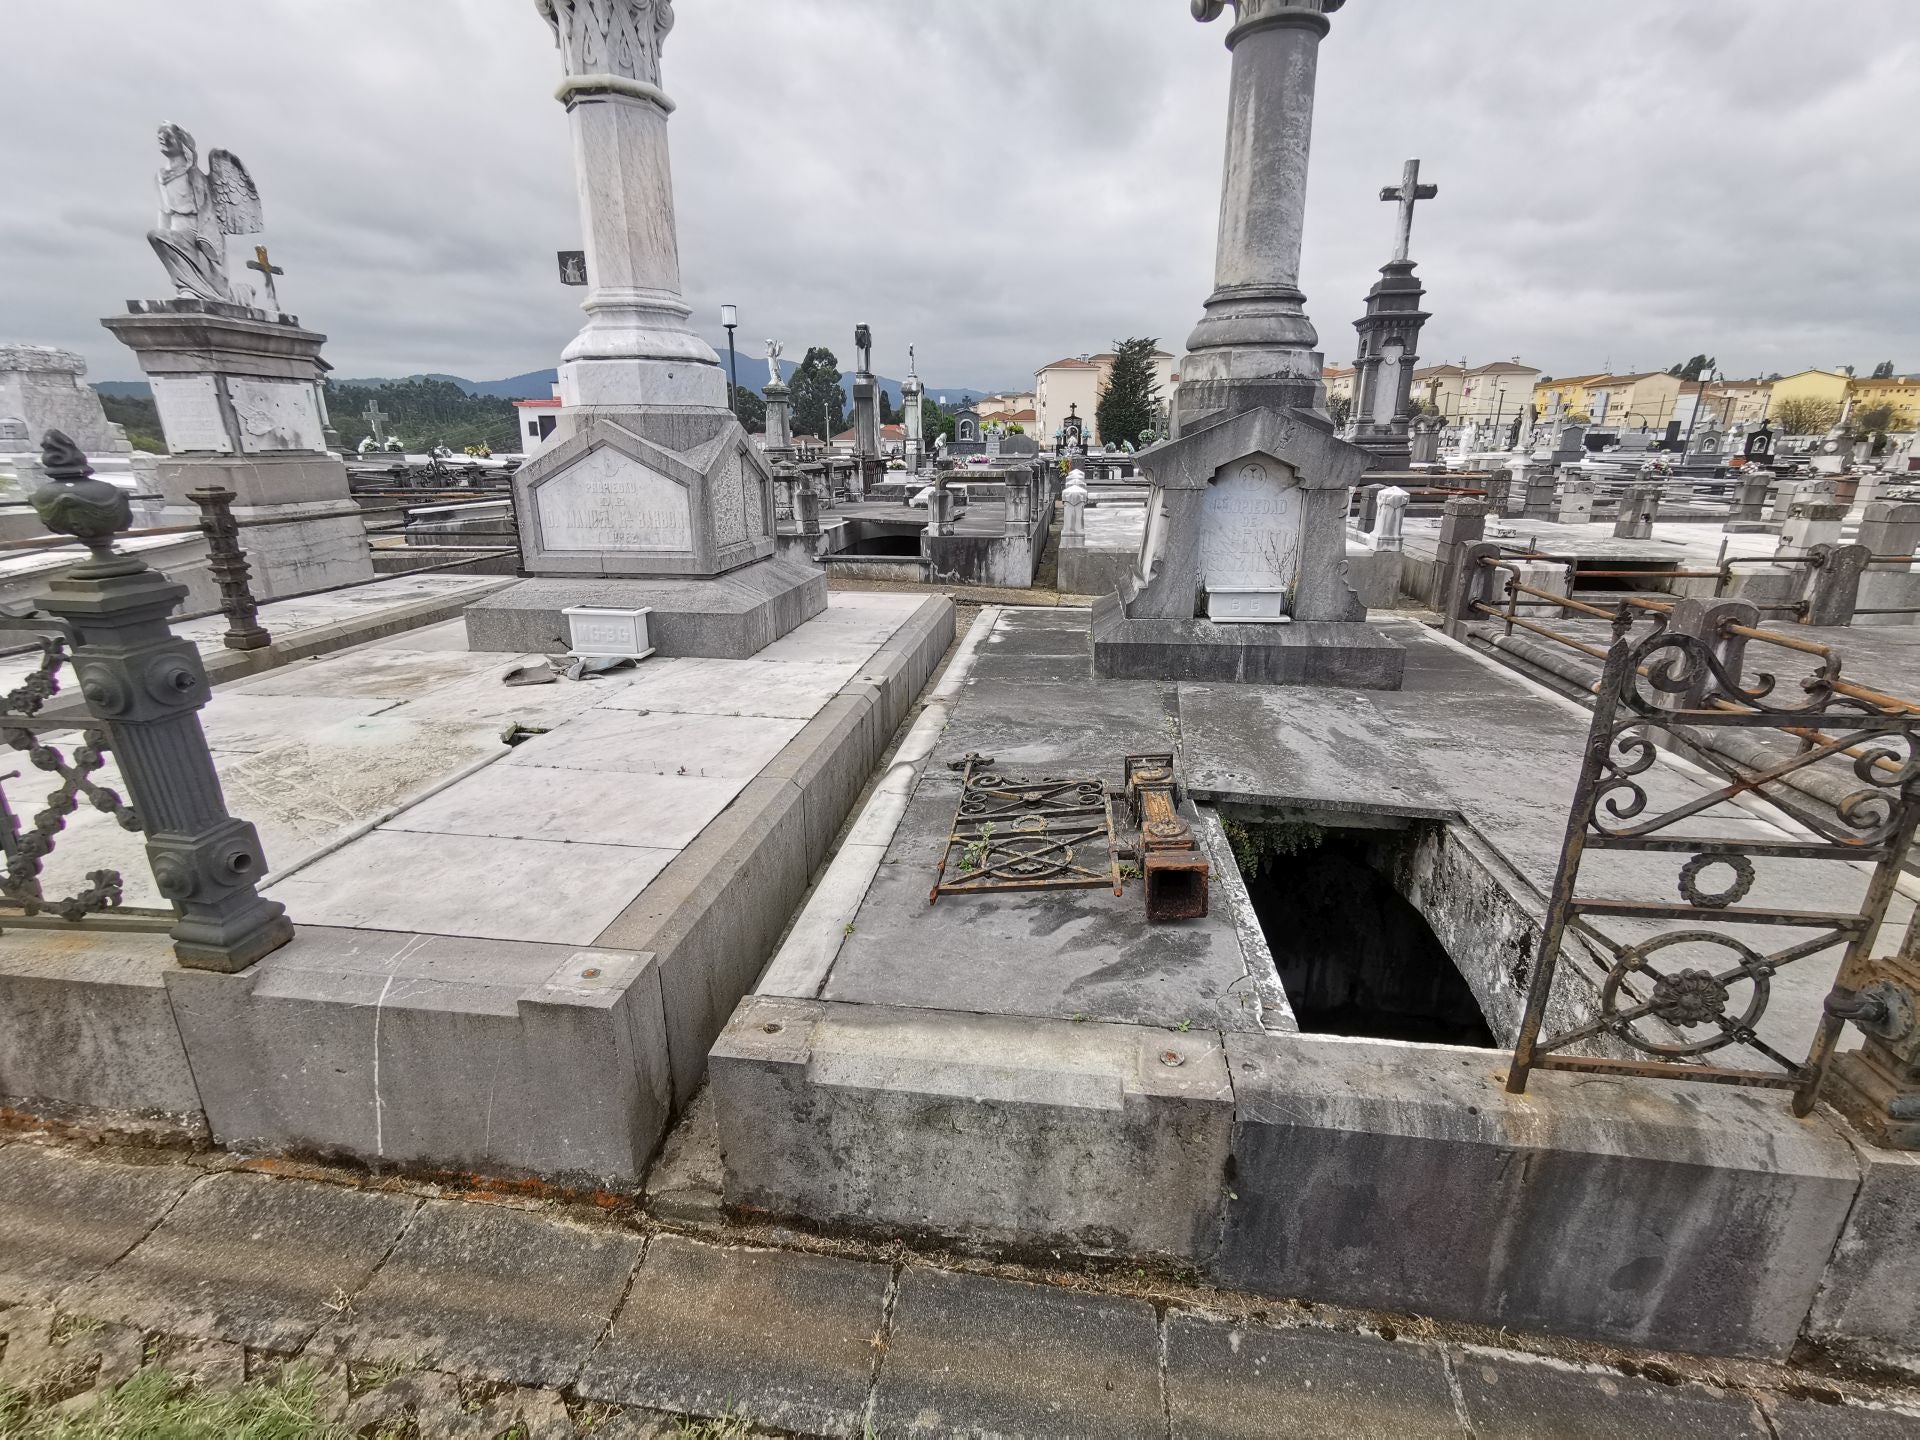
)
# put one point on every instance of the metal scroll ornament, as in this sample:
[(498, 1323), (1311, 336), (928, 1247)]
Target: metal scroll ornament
[(1678, 981), (26, 848), (1011, 834)]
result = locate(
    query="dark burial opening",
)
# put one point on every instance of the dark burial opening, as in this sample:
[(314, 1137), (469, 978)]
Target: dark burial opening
[(908, 545), (1353, 956)]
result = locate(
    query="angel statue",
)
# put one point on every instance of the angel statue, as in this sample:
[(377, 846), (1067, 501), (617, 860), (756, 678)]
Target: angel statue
[(198, 210), (774, 350)]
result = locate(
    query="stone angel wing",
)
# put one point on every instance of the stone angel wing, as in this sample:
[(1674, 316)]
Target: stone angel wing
[(236, 200)]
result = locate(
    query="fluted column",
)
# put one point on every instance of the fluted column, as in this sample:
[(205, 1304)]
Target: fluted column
[(636, 347), (1255, 345)]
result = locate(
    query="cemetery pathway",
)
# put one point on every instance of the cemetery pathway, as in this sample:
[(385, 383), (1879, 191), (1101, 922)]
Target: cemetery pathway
[(425, 1311)]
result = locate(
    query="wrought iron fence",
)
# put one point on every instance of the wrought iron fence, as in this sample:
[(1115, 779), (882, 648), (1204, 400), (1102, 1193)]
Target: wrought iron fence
[(1683, 984), (27, 848)]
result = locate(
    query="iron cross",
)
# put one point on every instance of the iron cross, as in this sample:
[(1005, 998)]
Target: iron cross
[(1407, 194), (267, 271)]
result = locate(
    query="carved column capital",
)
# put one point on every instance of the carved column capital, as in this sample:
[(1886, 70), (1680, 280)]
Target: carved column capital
[(610, 45), (1257, 12)]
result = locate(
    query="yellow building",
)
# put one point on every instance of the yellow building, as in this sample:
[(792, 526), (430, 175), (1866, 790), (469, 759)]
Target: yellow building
[(1900, 392), (1829, 386), (1571, 391)]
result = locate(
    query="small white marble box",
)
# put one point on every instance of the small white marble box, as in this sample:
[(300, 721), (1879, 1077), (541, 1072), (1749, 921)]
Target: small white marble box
[(1250, 604), (598, 633)]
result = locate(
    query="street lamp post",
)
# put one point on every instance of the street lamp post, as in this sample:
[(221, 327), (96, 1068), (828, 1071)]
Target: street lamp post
[(729, 320)]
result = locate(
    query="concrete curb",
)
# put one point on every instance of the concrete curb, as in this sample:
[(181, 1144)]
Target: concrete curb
[(713, 916)]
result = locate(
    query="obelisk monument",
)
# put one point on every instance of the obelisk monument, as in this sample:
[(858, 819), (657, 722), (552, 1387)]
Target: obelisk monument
[(1241, 574), (650, 490)]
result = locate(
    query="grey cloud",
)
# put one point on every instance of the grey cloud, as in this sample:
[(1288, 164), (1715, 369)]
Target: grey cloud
[(999, 181)]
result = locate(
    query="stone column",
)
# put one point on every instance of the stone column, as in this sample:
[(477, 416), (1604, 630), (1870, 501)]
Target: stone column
[(1835, 590), (914, 418), (779, 421), (1576, 502), (1750, 502), (1891, 527), (1499, 488), (1255, 346), (1463, 522), (1813, 523), (1639, 509), (636, 347)]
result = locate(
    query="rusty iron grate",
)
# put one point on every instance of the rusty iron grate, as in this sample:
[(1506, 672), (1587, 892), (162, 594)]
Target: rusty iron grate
[(1012, 834)]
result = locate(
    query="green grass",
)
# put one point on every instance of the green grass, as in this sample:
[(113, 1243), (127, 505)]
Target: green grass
[(155, 1405)]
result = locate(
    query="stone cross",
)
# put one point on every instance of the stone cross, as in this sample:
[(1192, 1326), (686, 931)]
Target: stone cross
[(267, 271), (374, 420), (1408, 193)]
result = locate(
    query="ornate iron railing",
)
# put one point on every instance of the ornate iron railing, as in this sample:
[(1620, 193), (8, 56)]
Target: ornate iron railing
[(1684, 985), (26, 849)]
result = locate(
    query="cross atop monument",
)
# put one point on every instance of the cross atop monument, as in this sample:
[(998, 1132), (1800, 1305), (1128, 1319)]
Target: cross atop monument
[(375, 420), (1407, 194), (267, 271)]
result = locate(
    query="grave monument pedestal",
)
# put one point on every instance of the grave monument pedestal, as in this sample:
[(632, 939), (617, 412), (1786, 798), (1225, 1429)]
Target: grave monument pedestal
[(239, 391), (1242, 574), (650, 493)]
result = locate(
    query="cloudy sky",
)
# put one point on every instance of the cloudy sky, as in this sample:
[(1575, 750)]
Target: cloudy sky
[(1001, 182)]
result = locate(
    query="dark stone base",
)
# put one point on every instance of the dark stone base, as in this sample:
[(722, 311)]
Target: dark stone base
[(730, 617), (1306, 652), (1751, 527)]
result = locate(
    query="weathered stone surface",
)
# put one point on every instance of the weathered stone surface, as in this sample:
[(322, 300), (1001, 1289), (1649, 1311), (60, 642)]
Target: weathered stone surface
[(783, 1340), (1519, 1400), (1317, 652), (64, 1219), (1686, 1217), (85, 1030), (1870, 1301), (732, 616), (1026, 1131), (250, 1260), (1230, 1379), (52, 1356), (483, 1289), (977, 1356), (1810, 1420)]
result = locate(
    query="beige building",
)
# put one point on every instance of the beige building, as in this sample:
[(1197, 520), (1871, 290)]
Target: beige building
[(1006, 407), (1496, 393), (1439, 386), (1647, 401), (1339, 381), (1075, 385)]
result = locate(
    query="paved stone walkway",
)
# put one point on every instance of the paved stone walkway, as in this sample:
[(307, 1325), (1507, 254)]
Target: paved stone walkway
[(447, 1313)]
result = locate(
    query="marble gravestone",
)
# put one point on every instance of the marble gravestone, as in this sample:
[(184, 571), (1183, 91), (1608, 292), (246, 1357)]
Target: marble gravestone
[(650, 493), (1242, 570), (239, 387)]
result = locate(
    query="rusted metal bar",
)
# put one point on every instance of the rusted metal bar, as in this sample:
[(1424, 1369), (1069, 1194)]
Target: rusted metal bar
[(1174, 874), (1013, 834)]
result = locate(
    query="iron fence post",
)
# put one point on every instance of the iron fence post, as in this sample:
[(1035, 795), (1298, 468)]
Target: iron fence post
[(146, 686), (227, 562)]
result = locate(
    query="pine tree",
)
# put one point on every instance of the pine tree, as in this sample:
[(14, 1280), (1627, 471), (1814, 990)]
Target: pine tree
[(1131, 400), (749, 408), (819, 404)]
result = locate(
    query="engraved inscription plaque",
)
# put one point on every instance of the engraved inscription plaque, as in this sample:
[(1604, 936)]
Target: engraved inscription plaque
[(190, 418), (608, 502), (1250, 528)]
